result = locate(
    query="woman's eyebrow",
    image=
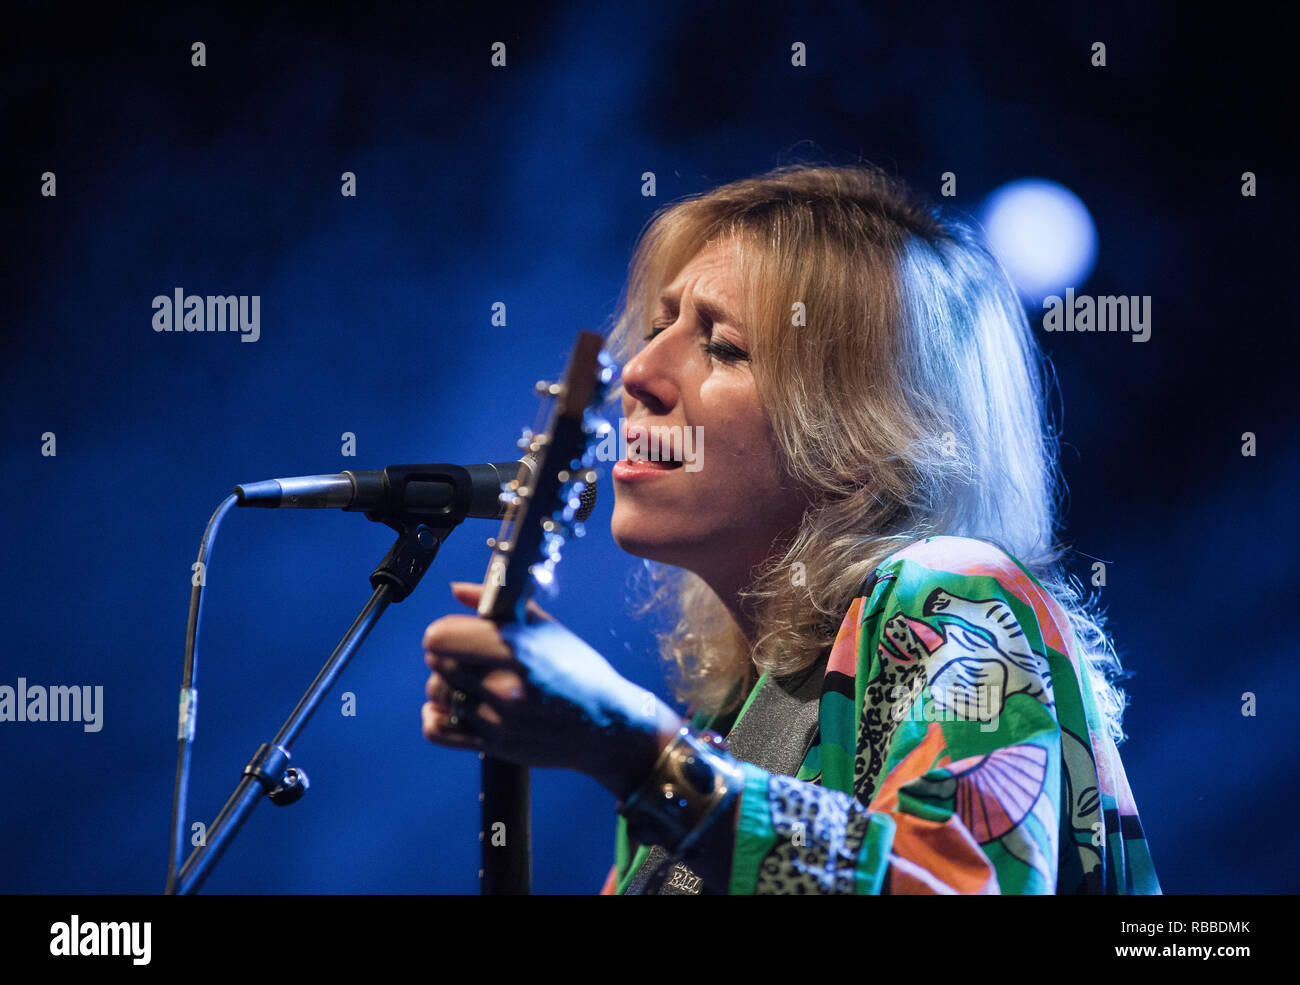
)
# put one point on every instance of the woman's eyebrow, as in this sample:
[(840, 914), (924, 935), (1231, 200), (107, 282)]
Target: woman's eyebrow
[(708, 308), (668, 300)]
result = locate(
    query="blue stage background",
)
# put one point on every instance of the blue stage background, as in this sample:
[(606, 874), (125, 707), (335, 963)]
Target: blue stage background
[(523, 185)]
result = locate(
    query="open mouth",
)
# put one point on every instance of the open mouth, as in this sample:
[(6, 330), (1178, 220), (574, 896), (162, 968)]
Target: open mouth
[(666, 465), (658, 448)]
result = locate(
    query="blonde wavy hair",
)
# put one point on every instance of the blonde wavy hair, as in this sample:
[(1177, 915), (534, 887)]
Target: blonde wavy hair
[(911, 404)]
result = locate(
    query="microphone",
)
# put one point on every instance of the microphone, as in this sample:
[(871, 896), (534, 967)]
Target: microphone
[(437, 493)]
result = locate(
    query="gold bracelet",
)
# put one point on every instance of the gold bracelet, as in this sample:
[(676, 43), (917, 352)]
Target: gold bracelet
[(693, 777)]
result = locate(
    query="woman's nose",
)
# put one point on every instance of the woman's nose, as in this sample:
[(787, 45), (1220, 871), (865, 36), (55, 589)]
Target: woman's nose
[(650, 377)]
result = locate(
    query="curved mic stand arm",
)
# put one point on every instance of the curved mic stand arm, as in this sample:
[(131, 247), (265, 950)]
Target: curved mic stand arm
[(268, 773)]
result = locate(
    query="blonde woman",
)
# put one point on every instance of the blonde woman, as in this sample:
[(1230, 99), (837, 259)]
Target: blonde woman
[(893, 686)]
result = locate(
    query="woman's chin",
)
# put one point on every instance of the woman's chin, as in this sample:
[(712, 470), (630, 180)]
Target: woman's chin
[(639, 546), (632, 539)]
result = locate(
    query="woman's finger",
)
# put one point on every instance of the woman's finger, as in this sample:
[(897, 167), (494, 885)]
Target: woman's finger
[(470, 639), (458, 680), (497, 687), (438, 690), (439, 729), (468, 593), (461, 707)]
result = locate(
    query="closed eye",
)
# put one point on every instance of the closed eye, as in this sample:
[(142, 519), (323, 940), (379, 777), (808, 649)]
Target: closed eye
[(655, 330), (719, 349), (725, 352)]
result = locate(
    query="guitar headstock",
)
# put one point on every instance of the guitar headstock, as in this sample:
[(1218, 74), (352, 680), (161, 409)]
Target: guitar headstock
[(544, 501)]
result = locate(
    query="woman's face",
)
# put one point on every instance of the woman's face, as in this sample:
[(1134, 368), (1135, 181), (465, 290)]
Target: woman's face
[(718, 514)]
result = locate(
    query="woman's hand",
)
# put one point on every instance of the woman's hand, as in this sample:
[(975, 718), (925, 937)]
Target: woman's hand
[(537, 695)]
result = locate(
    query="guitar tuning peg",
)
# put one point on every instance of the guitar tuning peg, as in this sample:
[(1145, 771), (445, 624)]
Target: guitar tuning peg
[(545, 389)]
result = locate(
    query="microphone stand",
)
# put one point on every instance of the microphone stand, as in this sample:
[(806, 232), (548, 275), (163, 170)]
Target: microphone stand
[(268, 773)]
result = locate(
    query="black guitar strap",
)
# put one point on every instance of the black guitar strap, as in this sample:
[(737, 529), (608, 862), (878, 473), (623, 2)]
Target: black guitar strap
[(775, 734)]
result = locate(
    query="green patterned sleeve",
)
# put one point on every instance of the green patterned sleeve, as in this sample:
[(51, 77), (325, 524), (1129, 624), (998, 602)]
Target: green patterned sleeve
[(956, 751)]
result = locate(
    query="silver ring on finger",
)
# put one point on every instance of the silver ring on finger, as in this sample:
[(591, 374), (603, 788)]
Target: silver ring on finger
[(458, 699)]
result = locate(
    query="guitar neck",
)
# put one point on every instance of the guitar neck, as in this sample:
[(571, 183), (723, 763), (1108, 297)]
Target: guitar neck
[(541, 506), (506, 834)]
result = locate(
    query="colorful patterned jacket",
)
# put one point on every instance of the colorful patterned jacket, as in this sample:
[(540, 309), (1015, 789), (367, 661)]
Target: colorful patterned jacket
[(956, 751)]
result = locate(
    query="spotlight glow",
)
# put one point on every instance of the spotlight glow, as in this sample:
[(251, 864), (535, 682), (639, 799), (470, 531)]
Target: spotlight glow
[(1042, 233)]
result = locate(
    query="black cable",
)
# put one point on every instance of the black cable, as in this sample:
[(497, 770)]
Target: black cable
[(188, 702)]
